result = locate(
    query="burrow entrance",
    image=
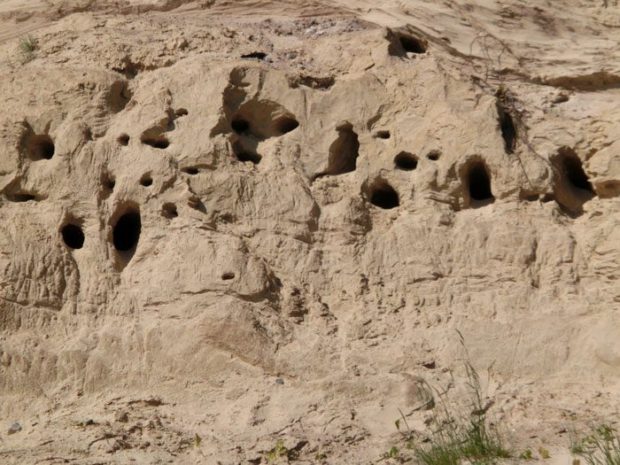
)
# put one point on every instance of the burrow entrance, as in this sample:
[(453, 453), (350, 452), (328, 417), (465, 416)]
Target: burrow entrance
[(72, 235), (403, 42), (572, 187), (383, 195), (478, 183), (126, 233), (344, 151), (406, 161)]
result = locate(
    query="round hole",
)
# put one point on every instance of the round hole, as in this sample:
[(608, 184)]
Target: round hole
[(126, 232), (406, 161), (42, 147), (73, 236), (123, 139), (433, 155), (384, 196), (146, 180), (228, 276)]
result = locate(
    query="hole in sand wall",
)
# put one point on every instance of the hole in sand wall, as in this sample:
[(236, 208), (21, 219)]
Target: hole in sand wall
[(344, 151), (239, 125), (286, 124), (146, 180), (191, 170), (228, 276), (126, 233), (169, 210), (433, 155), (572, 187), (382, 195), (507, 127), (382, 134), (156, 141), (41, 147), (123, 139), (244, 154), (406, 161), (478, 183), (72, 235)]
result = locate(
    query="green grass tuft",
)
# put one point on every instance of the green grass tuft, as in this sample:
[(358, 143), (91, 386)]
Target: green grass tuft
[(601, 447)]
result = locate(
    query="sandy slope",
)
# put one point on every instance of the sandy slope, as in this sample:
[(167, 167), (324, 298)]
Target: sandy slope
[(229, 224)]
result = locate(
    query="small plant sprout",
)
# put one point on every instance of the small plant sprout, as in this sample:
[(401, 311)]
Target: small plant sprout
[(27, 47)]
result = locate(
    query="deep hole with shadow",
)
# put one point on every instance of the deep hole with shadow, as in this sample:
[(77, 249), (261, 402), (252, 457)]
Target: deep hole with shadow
[(286, 124), (240, 125), (433, 155), (42, 147), (382, 134), (573, 170), (507, 127), (169, 210), (126, 232), (191, 170), (384, 196), (146, 180), (73, 236), (406, 161), (227, 276), (159, 142), (343, 152), (244, 154), (479, 182), (123, 139)]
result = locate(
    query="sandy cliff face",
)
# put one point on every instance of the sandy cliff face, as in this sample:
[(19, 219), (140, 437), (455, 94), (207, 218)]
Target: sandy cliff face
[(247, 222)]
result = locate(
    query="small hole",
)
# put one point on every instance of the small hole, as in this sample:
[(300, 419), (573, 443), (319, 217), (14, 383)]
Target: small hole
[(383, 134), (192, 170), (181, 112), (146, 180), (406, 161), (42, 147), (169, 210), (575, 173), (73, 236), (384, 196), (286, 124), (107, 180), (433, 155), (126, 232), (228, 276), (123, 139), (411, 44), (158, 142), (20, 196), (240, 125)]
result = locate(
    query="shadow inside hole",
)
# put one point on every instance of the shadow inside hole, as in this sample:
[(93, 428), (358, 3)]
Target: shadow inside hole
[(245, 153), (433, 155), (240, 125), (126, 234), (191, 170), (73, 236), (123, 139), (286, 124), (382, 134), (406, 161), (41, 147), (228, 276), (479, 184), (384, 196), (156, 141), (146, 180), (169, 210), (343, 152)]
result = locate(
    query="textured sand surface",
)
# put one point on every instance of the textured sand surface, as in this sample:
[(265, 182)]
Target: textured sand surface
[(253, 221)]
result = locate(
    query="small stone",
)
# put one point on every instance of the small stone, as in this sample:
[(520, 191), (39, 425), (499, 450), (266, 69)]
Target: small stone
[(14, 428)]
